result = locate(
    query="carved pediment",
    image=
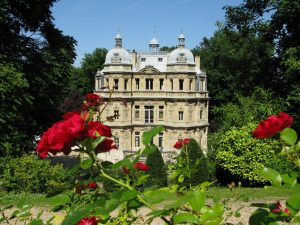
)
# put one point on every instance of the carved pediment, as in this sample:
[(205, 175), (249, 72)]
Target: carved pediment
[(149, 69)]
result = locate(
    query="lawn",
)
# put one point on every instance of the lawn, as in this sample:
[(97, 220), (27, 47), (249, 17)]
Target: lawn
[(215, 193)]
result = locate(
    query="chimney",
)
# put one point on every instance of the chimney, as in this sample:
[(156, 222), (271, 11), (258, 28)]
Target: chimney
[(133, 58), (197, 61)]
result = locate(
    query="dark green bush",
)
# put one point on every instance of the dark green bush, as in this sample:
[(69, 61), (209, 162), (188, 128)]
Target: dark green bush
[(240, 157), (30, 174), (200, 171), (158, 170)]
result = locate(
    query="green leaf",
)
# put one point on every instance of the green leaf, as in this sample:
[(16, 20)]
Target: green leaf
[(290, 179), (272, 175), (293, 204), (128, 195), (289, 136), (148, 135), (296, 219), (298, 146), (96, 142), (184, 218), (197, 200), (212, 213), (261, 216), (149, 150), (86, 163), (75, 216), (59, 190), (122, 163), (36, 222)]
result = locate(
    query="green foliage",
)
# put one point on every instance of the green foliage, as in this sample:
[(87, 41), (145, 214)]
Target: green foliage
[(35, 61), (191, 166), (158, 169), (241, 60), (12, 123), (199, 165), (244, 157), (30, 174), (248, 109)]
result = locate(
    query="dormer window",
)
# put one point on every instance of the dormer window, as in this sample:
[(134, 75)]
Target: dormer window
[(160, 59), (143, 59)]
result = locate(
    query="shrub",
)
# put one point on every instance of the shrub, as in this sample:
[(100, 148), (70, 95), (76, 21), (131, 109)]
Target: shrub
[(30, 174), (191, 166), (158, 171), (240, 157), (199, 165)]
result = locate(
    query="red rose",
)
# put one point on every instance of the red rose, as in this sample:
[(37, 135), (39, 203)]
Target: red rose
[(178, 145), (98, 127), (278, 209), (92, 185), (141, 166), (61, 136), (273, 125), (106, 146), (88, 221), (186, 141), (91, 101)]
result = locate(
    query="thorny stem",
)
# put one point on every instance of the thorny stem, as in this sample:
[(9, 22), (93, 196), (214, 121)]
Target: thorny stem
[(141, 199), (109, 100)]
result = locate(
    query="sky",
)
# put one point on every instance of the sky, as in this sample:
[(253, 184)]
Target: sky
[(94, 23)]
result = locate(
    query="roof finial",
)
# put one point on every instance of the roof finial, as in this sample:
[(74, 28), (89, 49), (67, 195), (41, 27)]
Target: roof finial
[(154, 44), (118, 39), (181, 39)]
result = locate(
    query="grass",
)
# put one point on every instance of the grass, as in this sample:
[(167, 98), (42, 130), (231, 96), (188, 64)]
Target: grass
[(39, 200), (215, 193), (263, 194)]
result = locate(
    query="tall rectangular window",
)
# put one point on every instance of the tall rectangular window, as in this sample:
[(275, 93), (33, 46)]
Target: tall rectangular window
[(171, 84), (125, 84), (107, 82), (160, 140), (201, 112), (149, 115), (190, 87), (181, 85), (117, 142), (137, 83), (161, 113), (161, 84), (137, 112), (116, 84), (116, 114), (137, 139), (149, 84), (180, 115)]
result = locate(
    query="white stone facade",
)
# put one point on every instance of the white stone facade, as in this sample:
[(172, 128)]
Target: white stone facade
[(153, 88)]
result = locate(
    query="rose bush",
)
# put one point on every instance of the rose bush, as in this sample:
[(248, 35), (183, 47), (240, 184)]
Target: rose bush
[(291, 149)]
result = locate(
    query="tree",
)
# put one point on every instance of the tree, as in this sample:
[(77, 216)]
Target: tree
[(91, 63), (198, 164), (281, 29), (158, 170), (235, 62), (31, 45)]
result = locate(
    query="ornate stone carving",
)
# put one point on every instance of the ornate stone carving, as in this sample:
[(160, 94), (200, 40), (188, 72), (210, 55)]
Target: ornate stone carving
[(181, 58), (116, 58)]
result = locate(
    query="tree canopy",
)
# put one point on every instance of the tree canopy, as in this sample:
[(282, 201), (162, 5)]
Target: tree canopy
[(36, 59)]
